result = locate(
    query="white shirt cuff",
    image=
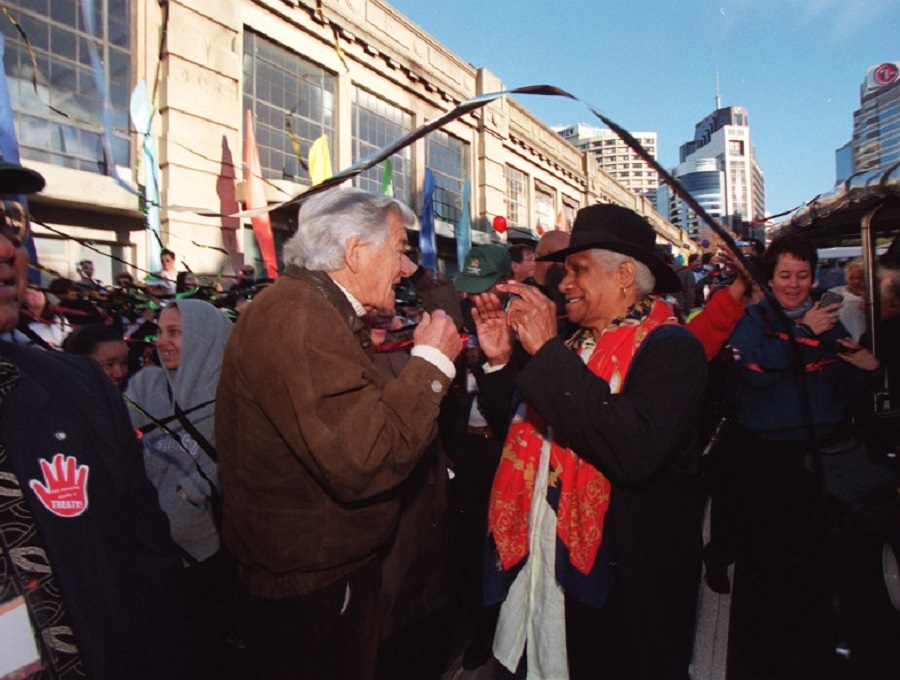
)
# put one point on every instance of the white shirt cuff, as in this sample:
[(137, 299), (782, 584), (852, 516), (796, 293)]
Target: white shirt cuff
[(435, 357)]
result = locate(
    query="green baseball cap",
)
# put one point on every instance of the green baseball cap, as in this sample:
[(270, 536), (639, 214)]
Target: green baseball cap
[(484, 266)]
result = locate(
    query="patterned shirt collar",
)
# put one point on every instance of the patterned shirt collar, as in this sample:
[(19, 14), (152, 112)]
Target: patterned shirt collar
[(633, 316)]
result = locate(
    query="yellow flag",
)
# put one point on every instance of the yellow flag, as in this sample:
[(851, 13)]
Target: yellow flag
[(319, 161)]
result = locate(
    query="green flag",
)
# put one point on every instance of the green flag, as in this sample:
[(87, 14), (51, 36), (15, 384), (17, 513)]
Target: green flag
[(387, 186)]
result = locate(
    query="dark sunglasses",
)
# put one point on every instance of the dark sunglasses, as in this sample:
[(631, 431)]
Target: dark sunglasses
[(14, 223)]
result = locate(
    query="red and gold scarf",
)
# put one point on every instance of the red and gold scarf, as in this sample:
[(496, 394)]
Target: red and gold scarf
[(583, 490)]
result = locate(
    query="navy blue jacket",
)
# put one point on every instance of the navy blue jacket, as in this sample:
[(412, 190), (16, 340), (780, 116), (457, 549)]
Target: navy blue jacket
[(771, 403), (115, 564)]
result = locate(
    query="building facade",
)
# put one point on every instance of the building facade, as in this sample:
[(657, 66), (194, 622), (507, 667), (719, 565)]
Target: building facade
[(876, 123), (615, 157), (704, 181), (718, 167), (843, 162), (355, 72)]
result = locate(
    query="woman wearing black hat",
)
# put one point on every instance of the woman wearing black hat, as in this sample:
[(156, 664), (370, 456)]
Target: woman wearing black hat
[(595, 517)]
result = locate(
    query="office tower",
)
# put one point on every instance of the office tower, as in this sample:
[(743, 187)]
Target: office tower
[(843, 162), (718, 167), (615, 157), (876, 123)]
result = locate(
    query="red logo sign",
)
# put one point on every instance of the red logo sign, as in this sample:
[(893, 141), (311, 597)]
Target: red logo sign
[(64, 489), (886, 74)]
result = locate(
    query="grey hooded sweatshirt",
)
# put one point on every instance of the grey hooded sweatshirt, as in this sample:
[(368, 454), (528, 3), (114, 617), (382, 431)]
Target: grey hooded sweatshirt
[(182, 472)]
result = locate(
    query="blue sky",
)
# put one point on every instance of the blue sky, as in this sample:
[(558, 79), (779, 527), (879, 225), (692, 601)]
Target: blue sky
[(796, 65)]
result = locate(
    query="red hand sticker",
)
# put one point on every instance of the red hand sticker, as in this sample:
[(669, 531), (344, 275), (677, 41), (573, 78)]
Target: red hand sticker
[(64, 490)]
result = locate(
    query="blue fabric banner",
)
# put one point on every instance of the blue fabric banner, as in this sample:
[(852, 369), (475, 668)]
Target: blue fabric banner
[(142, 117), (464, 228), (9, 150), (89, 17), (427, 254)]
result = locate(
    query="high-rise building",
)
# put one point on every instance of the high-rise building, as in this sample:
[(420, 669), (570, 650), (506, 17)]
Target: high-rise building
[(876, 123), (703, 180), (843, 162), (615, 157), (719, 169)]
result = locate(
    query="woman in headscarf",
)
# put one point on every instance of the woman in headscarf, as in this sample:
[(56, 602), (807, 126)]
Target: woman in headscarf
[(594, 526), (173, 406)]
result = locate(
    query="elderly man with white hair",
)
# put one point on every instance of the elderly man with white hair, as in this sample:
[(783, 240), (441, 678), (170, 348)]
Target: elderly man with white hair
[(312, 440)]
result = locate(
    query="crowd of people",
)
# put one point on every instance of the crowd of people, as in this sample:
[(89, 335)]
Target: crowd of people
[(304, 478)]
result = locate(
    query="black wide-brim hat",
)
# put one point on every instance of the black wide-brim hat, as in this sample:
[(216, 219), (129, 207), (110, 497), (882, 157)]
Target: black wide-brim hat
[(16, 179), (612, 227)]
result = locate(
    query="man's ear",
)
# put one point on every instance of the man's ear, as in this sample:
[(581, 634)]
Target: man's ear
[(353, 254)]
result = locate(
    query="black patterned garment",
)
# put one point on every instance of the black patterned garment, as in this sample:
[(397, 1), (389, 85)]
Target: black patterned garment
[(25, 570)]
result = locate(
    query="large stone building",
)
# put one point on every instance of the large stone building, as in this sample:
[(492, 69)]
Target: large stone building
[(355, 71)]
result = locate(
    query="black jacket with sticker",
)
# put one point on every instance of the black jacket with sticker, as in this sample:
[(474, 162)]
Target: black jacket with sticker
[(118, 570)]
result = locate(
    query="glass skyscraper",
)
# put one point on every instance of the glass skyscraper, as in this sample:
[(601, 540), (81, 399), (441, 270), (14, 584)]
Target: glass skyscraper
[(876, 124), (719, 170)]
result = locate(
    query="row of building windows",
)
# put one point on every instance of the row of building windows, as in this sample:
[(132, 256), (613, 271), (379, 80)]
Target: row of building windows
[(288, 93), (293, 103), (516, 201), (59, 116), (375, 124), (448, 159), (617, 158), (515, 198)]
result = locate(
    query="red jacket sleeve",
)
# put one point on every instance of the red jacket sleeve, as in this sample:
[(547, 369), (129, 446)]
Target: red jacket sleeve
[(713, 326)]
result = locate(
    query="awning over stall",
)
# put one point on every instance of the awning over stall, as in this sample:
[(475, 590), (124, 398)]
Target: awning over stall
[(834, 218)]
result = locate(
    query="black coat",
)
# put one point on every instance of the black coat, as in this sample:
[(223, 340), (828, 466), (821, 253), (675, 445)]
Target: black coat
[(115, 564), (645, 440)]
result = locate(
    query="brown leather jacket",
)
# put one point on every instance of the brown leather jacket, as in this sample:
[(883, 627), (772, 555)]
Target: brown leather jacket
[(311, 439)]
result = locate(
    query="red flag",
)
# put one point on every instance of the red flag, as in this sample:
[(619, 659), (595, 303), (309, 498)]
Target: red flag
[(562, 222), (255, 198)]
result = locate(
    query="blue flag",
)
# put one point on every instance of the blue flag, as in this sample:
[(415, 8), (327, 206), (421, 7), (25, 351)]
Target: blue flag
[(464, 228), (89, 17), (427, 255), (9, 150), (142, 117)]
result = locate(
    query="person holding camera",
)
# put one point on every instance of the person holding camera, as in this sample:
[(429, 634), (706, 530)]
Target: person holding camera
[(781, 535)]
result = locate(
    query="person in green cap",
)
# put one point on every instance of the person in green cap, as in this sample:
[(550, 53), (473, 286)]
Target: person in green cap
[(475, 451), (484, 266)]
